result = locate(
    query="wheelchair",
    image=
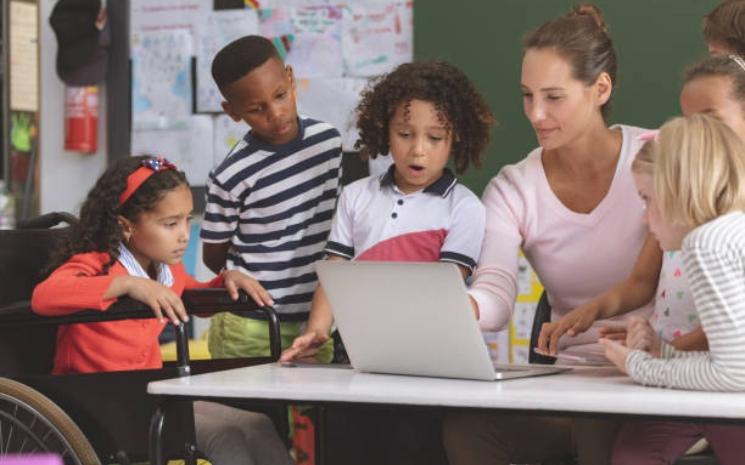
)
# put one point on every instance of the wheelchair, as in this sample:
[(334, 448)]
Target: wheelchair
[(96, 418)]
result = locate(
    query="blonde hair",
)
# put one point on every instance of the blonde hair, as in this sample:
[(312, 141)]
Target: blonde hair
[(644, 160), (698, 167)]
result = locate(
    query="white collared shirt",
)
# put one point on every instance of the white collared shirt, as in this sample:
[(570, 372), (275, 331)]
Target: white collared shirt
[(376, 221), (133, 267)]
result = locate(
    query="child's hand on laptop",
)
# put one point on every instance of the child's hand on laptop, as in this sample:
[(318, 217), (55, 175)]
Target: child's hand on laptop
[(304, 346)]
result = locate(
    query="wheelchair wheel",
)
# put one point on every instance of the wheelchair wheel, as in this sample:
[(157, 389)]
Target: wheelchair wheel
[(31, 423)]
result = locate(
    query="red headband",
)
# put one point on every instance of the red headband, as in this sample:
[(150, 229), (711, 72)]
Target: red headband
[(149, 167)]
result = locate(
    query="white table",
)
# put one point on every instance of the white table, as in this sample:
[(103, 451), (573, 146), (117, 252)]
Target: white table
[(583, 391)]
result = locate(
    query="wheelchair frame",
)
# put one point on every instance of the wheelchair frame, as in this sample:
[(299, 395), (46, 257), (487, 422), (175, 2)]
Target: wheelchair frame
[(102, 417)]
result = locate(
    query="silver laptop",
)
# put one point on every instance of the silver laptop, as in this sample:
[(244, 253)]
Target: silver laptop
[(411, 319)]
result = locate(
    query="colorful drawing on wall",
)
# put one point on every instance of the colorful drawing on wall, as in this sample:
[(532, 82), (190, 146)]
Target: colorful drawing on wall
[(190, 150), (227, 135), (369, 42), (309, 35), (332, 100), (216, 30), (161, 80), (529, 293), (310, 38)]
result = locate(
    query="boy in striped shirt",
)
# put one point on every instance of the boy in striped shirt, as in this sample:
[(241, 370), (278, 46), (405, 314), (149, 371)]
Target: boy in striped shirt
[(271, 201)]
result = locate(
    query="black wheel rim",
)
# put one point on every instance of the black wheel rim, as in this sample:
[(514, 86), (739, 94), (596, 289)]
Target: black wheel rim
[(23, 430)]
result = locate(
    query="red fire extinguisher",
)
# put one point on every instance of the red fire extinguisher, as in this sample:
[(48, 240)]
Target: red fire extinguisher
[(81, 119)]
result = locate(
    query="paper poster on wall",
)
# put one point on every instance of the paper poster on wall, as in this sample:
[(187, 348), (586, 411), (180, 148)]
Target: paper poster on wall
[(159, 15), (369, 39), (227, 134), (161, 80), (332, 100), (213, 32), (190, 150), (23, 56), (404, 29), (498, 344), (308, 37), (529, 293)]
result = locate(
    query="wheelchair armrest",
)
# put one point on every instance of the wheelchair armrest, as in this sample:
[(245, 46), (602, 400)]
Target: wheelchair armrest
[(199, 301), (203, 301), (20, 314), (48, 220)]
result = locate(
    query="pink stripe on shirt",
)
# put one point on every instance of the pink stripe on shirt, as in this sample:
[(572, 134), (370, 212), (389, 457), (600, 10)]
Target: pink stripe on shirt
[(420, 246)]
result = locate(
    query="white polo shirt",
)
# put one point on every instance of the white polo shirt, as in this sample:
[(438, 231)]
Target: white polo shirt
[(376, 221)]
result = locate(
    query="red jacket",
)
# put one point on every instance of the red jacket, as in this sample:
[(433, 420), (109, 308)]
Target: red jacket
[(112, 346)]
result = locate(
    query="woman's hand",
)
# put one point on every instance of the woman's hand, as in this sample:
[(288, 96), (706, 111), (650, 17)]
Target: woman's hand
[(235, 280), (575, 322), (616, 333), (161, 299), (304, 346), (642, 336), (616, 353)]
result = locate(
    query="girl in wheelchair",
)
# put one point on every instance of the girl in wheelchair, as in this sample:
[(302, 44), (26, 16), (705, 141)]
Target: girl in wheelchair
[(133, 232)]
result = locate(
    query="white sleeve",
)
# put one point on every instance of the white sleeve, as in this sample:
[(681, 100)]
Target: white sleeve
[(715, 276), (465, 236), (341, 239)]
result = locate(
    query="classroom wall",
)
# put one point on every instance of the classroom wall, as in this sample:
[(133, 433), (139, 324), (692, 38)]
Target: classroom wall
[(65, 177), (655, 40)]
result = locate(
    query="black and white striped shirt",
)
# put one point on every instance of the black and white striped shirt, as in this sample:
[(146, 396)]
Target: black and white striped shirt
[(714, 257), (274, 204)]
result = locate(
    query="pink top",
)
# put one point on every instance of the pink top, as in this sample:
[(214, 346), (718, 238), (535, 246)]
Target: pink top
[(576, 256)]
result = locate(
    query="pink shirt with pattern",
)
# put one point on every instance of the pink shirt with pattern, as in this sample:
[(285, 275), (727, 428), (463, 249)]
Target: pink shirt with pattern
[(674, 311)]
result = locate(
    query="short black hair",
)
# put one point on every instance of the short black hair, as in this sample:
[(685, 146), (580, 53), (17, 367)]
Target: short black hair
[(240, 57)]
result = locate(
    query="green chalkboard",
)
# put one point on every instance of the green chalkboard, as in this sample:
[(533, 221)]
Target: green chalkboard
[(655, 41)]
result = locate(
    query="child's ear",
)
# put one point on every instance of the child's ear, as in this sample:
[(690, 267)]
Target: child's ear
[(228, 109), (126, 227), (290, 75)]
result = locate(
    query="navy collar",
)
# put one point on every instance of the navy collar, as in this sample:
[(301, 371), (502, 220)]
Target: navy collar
[(441, 187), (251, 138)]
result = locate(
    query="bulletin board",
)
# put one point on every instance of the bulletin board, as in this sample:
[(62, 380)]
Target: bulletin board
[(333, 47)]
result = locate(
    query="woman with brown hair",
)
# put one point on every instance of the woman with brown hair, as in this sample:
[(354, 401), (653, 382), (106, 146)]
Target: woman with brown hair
[(572, 207)]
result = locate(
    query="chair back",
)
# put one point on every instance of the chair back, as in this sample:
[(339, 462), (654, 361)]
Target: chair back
[(24, 254), (542, 315)]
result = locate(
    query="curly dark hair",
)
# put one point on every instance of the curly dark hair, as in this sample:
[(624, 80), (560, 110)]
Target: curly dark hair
[(98, 229), (460, 107)]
